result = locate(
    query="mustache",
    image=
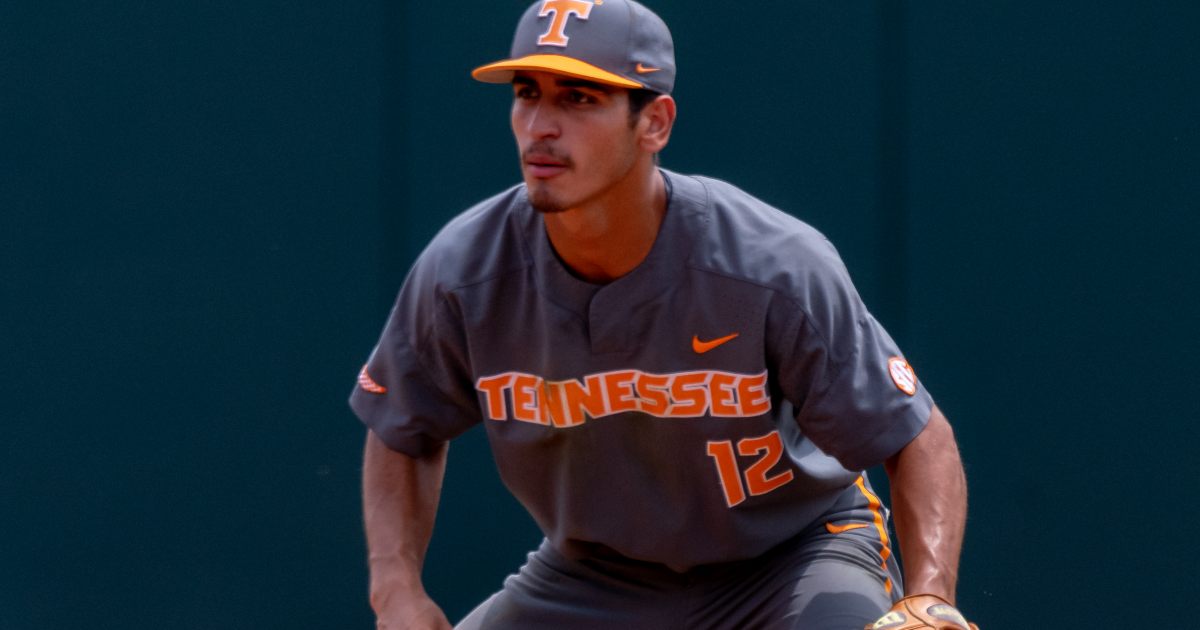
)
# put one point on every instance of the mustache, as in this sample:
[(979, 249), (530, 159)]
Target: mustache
[(545, 149)]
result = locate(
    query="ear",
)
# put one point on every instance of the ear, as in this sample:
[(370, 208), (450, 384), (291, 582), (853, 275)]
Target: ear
[(657, 119)]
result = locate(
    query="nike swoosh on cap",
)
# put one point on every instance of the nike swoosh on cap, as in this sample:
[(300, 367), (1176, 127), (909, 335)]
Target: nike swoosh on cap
[(645, 69), (700, 347)]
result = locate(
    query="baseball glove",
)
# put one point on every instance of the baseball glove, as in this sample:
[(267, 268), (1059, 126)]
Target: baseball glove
[(922, 611)]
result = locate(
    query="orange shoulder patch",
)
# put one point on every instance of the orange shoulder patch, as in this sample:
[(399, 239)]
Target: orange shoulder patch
[(903, 375), (368, 384)]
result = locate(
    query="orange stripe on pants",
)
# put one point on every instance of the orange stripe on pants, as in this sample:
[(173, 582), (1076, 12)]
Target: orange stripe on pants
[(877, 512)]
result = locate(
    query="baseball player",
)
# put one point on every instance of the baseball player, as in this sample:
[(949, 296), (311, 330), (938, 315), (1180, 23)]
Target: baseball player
[(678, 381)]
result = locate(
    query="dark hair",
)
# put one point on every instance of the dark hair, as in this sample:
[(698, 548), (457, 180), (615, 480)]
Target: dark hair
[(639, 98)]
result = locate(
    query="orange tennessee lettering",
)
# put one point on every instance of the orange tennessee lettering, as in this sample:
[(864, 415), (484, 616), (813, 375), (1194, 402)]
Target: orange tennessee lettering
[(720, 388), (619, 386), (689, 394), (753, 399), (551, 401), (583, 398), (572, 402), (524, 396), (651, 389), (562, 10), (493, 392), (545, 406)]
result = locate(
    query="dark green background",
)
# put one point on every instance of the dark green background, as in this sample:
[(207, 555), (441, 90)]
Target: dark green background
[(206, 208)]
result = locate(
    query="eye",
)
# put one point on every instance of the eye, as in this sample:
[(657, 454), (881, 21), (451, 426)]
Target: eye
[(576, 97), (524, 92)]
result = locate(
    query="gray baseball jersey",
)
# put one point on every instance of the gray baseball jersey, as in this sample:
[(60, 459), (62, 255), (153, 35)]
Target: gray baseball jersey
[(703, 408)]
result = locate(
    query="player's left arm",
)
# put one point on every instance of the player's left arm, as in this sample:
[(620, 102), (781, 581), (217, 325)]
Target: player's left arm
[(929, 505)]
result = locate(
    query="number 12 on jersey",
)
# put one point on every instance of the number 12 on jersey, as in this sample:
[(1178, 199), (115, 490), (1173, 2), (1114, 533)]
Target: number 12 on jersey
[(755, 477)]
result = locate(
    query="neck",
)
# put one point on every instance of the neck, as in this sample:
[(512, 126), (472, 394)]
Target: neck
[(610, 236)]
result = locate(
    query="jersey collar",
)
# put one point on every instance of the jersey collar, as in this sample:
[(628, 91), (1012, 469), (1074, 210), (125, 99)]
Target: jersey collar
[(687, 214)]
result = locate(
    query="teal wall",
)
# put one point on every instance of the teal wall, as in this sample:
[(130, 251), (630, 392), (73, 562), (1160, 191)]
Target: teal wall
[(206, 209)]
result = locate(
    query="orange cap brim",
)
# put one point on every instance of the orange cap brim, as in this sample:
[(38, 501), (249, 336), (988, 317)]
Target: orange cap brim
[(502, 71)]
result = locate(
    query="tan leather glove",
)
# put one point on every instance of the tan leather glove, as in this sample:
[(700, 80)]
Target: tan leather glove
[(922, 611)]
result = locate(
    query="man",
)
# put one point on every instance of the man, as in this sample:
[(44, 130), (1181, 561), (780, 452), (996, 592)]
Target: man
[(678, 382)]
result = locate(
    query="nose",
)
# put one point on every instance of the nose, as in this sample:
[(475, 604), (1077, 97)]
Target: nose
[(540, 121)]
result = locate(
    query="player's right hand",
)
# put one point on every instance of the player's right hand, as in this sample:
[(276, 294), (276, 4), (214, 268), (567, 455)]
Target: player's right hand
[(417, 612)]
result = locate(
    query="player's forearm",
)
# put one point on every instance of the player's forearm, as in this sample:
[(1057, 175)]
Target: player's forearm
[(929, 505), (400, 499)]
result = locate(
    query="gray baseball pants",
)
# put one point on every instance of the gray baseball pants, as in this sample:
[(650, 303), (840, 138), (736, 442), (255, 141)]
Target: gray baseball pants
[(819, 580)]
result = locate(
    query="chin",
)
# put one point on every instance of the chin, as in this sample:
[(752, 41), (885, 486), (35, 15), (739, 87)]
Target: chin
[(543, 198), (546, 203)]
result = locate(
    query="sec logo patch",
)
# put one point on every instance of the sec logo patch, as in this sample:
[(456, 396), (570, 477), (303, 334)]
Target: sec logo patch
[(368, 384), (903, 375)]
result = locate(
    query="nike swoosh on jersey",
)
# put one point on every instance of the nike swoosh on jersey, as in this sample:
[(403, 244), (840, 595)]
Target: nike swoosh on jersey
[(700, 347)]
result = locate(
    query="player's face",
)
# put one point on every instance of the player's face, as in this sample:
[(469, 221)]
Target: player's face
[(574, 137)]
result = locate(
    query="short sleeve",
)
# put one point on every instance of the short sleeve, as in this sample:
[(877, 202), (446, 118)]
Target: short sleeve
[(856, 397), (415, 390)]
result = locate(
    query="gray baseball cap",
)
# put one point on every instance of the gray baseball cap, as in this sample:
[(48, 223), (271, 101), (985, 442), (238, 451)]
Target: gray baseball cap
[(615, 42)]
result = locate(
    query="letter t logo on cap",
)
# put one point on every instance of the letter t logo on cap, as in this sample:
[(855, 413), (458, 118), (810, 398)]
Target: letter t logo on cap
[(562, 10)]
